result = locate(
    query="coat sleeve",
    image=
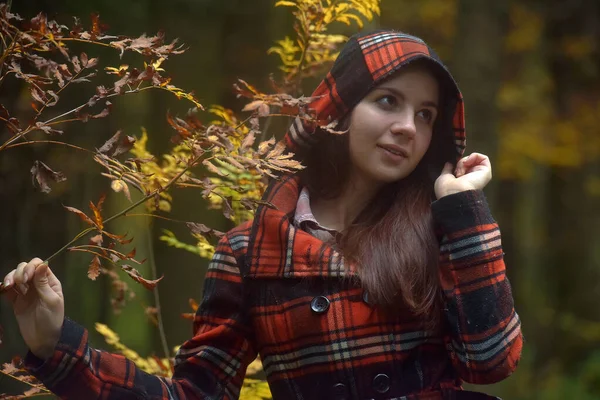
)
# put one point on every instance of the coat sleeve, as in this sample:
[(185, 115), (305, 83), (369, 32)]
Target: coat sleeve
[(484, 340), (211, 365)]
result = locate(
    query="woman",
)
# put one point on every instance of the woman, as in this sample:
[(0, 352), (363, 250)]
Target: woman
[(379, 273)]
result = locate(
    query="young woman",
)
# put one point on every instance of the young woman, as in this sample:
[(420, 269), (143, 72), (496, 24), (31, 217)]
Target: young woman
[(378, 274)]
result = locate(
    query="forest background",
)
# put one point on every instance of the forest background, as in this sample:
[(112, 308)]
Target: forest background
[(529, 71)]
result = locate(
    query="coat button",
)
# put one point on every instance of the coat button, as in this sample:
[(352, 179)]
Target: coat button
[(339, 391), (366, 297), (381, 383), (319, 304)]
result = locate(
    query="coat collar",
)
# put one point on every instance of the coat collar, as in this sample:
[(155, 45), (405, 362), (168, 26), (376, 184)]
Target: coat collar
[(277, 248)]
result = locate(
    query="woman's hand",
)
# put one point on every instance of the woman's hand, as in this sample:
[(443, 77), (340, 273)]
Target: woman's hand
[(472, 173), (37, 299)]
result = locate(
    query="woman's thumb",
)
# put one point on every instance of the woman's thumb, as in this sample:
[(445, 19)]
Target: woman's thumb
[(448, 168), (40, 279)]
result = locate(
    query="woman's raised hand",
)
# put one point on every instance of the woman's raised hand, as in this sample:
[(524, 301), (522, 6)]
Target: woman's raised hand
[(37, 299), (472, 173)]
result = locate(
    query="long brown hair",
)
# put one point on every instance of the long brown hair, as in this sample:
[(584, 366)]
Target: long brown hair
[(393, 240)]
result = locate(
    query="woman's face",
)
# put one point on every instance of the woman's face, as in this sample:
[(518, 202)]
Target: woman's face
[(391, 128)]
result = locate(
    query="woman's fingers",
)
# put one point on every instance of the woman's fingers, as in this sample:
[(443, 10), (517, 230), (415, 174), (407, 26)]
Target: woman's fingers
[(22, 276)]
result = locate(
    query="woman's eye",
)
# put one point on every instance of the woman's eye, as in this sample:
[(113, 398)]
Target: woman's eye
[(387, 101), (427, 115)]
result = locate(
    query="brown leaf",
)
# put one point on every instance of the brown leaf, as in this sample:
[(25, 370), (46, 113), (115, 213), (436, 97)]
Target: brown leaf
[(264, 110), (13, 125), (32, 391), (253, 105), (131, 254), (263, 147), (135, 275), (38, 95), (47, 128), (81, 214), (227, 209), (115, 147), (42, 174), (203, 230), (119, 185), (234, 162), (212, 168), (119, 238), (94, 268), (248, 140), (97, 240), (76, 64), (97, 210), (9, 369)]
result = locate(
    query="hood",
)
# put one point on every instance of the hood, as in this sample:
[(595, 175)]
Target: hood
[(365, 61)]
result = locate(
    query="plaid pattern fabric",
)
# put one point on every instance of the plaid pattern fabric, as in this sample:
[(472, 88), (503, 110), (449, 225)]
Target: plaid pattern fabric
[(364, 62), (271, 289)]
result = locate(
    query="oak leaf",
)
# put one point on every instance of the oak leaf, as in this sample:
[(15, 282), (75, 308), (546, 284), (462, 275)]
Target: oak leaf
[(94, 268)]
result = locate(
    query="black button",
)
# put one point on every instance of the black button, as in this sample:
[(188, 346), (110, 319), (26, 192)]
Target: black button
[(319, 304), (366, 297), (339, 391), (381, 383)]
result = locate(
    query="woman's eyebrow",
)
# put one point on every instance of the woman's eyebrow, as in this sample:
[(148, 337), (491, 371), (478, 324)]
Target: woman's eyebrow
[(427, 103)]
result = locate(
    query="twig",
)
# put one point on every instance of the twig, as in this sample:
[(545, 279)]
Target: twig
[(49, 141), (28, 383), (159, 318), (129, 208)]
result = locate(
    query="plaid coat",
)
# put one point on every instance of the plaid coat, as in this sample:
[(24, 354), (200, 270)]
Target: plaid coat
[(271, 290)]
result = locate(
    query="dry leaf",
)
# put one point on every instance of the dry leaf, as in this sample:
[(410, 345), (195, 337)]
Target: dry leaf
[(203, 230), (42, 174), (135, 275), (82, 215), (114, 147), (94, 268)]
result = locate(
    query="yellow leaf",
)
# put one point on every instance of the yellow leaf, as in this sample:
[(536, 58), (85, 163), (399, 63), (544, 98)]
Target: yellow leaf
[(285, 3)]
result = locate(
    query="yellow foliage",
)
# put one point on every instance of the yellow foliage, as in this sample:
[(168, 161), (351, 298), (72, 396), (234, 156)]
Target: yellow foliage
[(440, 14), (151, 365), (314, 46), (159, 174), (202, 248), (577, 48), (526, 30)]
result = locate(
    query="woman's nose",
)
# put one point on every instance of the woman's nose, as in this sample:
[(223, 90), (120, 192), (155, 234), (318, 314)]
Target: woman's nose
[(404, 125)]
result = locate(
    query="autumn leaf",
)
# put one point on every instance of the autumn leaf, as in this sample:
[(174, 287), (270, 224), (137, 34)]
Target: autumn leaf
[(135, 275), (97, 240), (43, 175), (47, 128), (97, 210), (9, 369), (248, 140), (94, 268), (81, 214), (212, 168), (114, 147), (202, 229), (194, 306), (119, 185)]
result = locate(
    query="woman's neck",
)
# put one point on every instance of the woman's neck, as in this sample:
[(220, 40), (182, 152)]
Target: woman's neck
[(338, 213)]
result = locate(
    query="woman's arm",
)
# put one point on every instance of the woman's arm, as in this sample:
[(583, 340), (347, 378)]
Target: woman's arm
[(211, 365), (485, 337)]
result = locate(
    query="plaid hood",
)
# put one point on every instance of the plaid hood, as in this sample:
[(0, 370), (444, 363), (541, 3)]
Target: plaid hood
[(365, 61)]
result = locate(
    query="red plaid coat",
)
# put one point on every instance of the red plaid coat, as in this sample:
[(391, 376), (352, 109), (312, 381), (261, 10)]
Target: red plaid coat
[(270, 290)]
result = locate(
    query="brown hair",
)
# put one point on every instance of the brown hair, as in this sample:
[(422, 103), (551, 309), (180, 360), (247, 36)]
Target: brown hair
[(393, 240)]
